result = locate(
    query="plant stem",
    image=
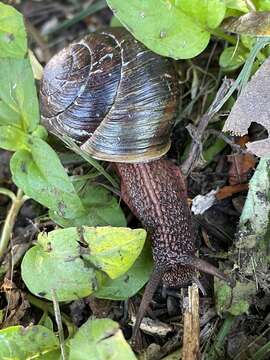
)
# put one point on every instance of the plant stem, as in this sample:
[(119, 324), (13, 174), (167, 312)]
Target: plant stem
[(8, 193), (225, 329), (263, 352), (17, 202), (217, 346)]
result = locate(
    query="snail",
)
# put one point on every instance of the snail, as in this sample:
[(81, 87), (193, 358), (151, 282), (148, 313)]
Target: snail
[(118, 100)]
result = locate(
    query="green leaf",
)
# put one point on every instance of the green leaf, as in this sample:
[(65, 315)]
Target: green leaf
[(18, 97), (57, 263), (12, 33), (179, 32), (131, 282), (73, 261), (240, 5), (7, 115), (248, 41), (232, 58), (17, 342), (239, 308), (12, 138), (98, 340), (213, 150), (209, 13), (223, 294), (41, 176), (113, 250), (262, 5), (101, 209), (234, 300), (47, 322)]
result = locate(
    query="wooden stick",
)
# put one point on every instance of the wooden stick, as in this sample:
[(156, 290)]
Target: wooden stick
[(58, 320), (191, 340)]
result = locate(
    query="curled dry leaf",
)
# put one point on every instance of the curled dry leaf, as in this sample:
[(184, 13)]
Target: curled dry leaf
[(17, 303), (253, 105), (256, 23)]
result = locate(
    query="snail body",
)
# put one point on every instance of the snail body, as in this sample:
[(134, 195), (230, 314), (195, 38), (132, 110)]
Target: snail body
[(118, 100)]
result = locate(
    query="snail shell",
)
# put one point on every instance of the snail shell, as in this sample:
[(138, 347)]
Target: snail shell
[(112, 95)]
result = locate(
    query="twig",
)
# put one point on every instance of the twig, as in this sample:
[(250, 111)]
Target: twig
[(237, 148), (191, 339), (17, 202), (224, 93), (250, 5), (48, 308), (198, 132), (58, 319)]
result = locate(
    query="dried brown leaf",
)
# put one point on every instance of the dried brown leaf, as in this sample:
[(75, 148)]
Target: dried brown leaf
[(240, 167), (256, 23), (17, 304), (253, 105), (228, 191)]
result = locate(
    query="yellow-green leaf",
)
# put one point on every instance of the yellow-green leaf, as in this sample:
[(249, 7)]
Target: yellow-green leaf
[(33, 342), (75, 261), (98, 340), (113, 250)]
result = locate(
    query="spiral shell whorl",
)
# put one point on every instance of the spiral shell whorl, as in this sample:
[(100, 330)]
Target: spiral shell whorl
[(113, 95)]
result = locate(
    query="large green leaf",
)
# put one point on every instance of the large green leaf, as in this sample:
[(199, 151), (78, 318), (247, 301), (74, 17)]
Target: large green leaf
[(12, 33), (18, 98), (33, 342), (101, 208), (131, 282), (98, 340), (73, 261), (179, 29), (41, 176)]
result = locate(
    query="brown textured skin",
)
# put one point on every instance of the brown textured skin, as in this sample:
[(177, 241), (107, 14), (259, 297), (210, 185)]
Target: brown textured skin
[(156, 194)]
